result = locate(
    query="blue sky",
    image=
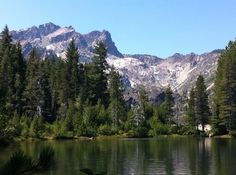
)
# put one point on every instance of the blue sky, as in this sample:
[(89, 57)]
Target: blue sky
[(157, 27)]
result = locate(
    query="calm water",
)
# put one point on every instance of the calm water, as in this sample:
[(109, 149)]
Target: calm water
[(139, 156)]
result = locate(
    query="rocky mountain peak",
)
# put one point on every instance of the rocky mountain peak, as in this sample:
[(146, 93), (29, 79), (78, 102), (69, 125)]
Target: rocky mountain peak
[(178, 71), (50, 37), (47, 28)]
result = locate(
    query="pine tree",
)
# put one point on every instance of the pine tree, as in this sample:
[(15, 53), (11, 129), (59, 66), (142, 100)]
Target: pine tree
[(5, 41), (97, 76), (52, 73), (191, 117), (201, 102), (6, 78), (117, 104), (62, 88), (32, 93), (72, 57), (168, 106), (6, 72), (225, 98), (218, 127), (136, 122), (145, 104), (45, 91), (70, 79), (19, 81), (138, 116), (12, 72)]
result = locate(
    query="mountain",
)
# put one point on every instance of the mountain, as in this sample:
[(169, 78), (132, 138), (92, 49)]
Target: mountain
[(177, 71), (52, 39)]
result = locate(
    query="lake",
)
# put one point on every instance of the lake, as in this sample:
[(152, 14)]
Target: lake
[(181, 155)]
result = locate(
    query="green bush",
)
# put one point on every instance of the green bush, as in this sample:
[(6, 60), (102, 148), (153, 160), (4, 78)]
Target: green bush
[(141, 132), (188, 130), (25, 126), (58, 129), (15, 126), (48, 129), (107, 130), (130, 133), (104, 130), (160, 129), (37, 127), (138, 132), (89, 131)]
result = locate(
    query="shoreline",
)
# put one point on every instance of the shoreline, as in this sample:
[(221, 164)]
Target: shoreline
[(101, 137)]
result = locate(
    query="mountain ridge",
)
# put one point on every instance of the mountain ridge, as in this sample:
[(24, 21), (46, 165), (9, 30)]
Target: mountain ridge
[(178, 71)]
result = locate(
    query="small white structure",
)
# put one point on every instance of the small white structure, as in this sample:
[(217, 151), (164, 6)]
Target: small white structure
[(207, 128)]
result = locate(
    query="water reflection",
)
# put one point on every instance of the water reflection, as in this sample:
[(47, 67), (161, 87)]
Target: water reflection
[(140, 156)]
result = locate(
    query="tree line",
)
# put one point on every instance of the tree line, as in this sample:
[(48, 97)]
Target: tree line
[(44, 97), (221, 112), (73, 96)]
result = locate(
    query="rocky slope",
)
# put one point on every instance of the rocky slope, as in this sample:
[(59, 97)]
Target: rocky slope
[(53, 39), (178, 71)]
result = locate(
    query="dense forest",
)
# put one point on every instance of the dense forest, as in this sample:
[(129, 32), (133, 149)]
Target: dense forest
[(63, 98)]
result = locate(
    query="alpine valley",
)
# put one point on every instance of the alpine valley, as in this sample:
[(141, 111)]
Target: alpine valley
[(155, 74)]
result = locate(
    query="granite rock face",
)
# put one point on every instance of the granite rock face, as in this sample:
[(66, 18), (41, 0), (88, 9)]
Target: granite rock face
[(155, 74)]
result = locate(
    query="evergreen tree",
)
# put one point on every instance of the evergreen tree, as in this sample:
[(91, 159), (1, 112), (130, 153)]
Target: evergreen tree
[(225, 96), (12, 73), (168, 106), (70, 79), (62, 87), (19, 80), (5, 41), (117, 104), (53, 74), (218, 127), (136, 122), (32, 93), (6, 79), (97, 76), (201, 102), (5, 45), (72, 57), (145, 104), (191, 117), (102, 115), (45, 91), (138, 115)]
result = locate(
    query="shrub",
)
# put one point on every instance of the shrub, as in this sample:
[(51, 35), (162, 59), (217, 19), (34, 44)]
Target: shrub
[(89, 131), (158, 128), (138, 132), (15, 126), (37, 127), (232, 133), (25, 126), (162, 129), (107, 130), (188, 130), (58, 128)]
